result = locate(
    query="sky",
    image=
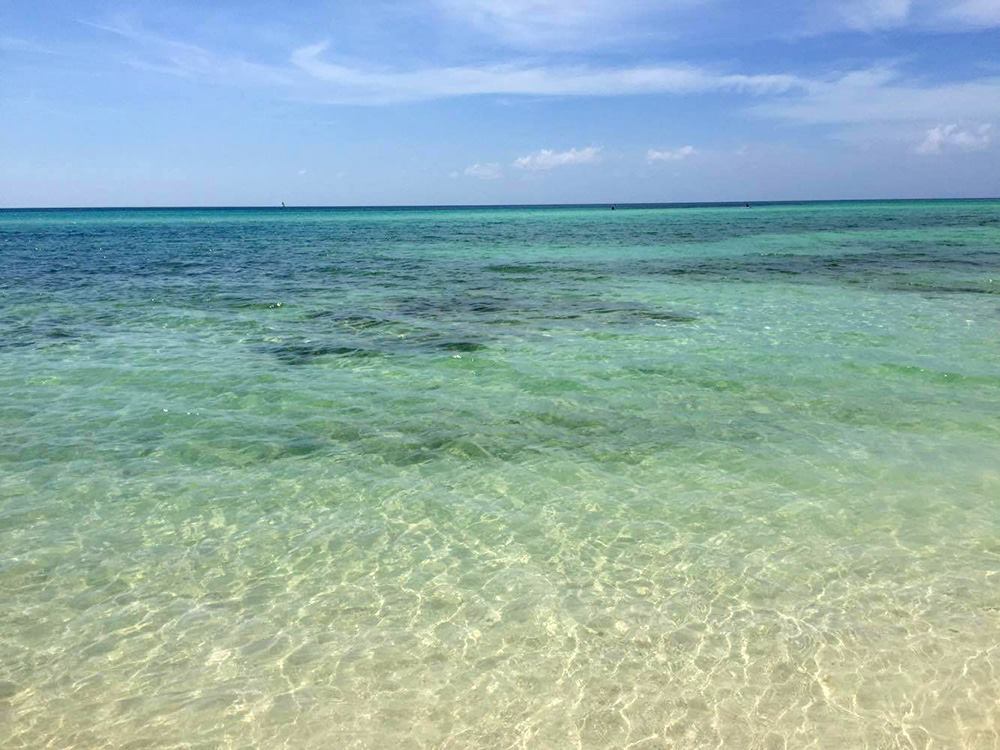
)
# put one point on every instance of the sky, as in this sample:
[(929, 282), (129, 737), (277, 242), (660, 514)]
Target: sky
[(386, 102)]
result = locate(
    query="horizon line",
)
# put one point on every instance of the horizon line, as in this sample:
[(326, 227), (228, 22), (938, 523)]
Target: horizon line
[(427, 206)]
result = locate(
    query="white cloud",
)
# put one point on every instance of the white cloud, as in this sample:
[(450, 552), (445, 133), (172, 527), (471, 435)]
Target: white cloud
[(975, 12), (943, 138), (187, 60), (310, 75), (868, 15), (562, 24), (547, 159), (921, 15), (880, 95), (368, 86), (16, 44), (489, 171), (587, 24), (675, 154)]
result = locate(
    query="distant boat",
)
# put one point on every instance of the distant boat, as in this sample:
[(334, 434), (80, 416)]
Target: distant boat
[(282, 204)]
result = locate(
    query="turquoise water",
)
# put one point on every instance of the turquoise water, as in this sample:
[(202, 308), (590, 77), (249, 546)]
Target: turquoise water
[(541, 478)]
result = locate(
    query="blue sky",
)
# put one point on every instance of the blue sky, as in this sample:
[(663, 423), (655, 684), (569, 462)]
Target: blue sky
[(496, 101)]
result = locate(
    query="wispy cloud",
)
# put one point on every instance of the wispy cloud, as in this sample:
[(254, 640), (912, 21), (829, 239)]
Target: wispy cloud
[(943, 138), (580, 25), (365, 85), (173, 57), (312, 73), (868, 15), (558, 24), (546, 159), (883, 94), (925, 15), (490, 171), (16, 44), (675, 154), (975, 12)]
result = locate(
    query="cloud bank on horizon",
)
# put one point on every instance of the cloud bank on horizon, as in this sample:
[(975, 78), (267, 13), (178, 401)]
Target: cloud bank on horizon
[(428, 101)]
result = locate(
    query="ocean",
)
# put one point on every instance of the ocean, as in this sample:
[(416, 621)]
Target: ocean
[(550, 477)]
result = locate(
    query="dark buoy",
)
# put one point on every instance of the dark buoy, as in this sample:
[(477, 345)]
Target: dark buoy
[(612, 208)]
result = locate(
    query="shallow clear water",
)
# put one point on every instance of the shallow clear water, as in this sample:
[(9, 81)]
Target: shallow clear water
[(700, 477)]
